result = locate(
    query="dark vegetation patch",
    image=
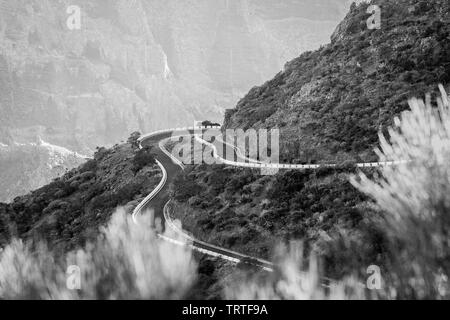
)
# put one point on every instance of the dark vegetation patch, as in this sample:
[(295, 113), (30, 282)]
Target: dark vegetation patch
[(69, 211), (250, 213)]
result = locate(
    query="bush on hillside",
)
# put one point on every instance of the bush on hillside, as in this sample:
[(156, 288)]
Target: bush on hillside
[(126, 261), (143, 158)]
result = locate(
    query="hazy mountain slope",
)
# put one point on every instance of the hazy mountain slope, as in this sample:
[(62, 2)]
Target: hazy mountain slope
[(142, 65), (139, 65), (25, 167)]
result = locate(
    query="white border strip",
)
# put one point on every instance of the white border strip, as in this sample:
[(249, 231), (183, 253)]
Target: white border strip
[(152, 194), (259, 164)]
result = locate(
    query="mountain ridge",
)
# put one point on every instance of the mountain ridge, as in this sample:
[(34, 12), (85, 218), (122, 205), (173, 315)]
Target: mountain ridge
[(335, 100)]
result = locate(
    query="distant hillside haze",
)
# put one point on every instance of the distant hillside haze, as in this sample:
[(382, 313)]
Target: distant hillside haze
[(25, 167), (143, 65), (140, 65)]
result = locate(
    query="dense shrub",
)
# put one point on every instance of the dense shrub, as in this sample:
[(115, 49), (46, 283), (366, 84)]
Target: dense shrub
[(142, 159), (415, 200), (89, 166), (185, 187), (126, 261)]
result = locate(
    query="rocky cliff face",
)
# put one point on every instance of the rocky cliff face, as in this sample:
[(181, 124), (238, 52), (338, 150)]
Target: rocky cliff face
[(141, 65)]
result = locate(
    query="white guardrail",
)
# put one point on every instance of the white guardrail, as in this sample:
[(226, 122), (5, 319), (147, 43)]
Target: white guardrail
[(255, 163), (152, 194), (188, 239), (259, 164)]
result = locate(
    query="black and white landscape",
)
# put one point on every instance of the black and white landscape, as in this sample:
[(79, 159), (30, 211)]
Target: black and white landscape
[(225, 150)]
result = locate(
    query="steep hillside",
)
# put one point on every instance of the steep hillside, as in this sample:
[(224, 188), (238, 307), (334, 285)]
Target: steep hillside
[(70, 210), (250, 213), (330, 105)]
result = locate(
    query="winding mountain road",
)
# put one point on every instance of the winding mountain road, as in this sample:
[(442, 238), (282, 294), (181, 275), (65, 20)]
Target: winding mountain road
[(158, 200)]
